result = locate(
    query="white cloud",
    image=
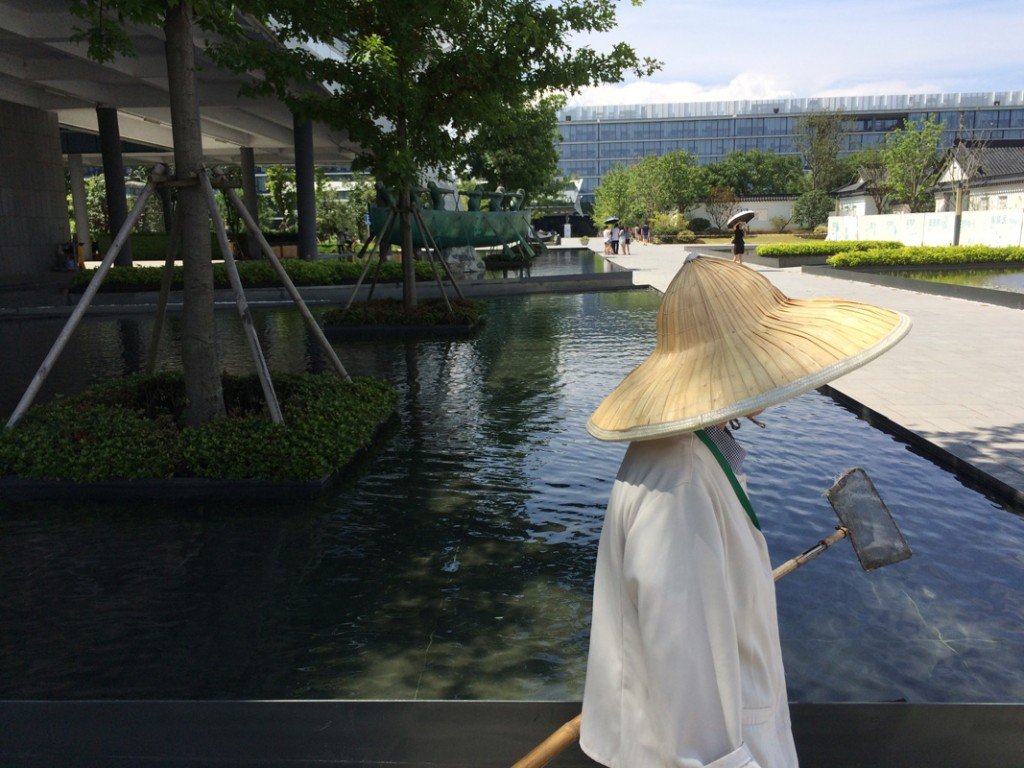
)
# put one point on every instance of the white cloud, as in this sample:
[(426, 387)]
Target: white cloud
[(743, 87)]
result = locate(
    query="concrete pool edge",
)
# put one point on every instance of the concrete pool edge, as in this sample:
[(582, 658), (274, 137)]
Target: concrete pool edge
[(365, 733), (963, 468)]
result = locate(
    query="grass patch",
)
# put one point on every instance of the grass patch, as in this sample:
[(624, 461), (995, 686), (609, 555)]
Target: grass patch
[(428, 312), (132, 429), (824, 247), (254, 274), (921, 255)]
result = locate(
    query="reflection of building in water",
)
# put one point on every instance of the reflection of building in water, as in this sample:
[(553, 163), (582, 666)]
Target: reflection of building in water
[(597, 138)]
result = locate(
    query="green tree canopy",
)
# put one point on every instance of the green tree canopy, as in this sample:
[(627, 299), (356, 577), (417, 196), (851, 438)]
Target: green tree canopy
[(757, 173), (813, 208), (412, 83), (870, 166), (614, 197), (912, 161), (819, 139), (518, 149)]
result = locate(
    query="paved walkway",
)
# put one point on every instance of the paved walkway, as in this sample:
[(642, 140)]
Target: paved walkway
[(955, 380)]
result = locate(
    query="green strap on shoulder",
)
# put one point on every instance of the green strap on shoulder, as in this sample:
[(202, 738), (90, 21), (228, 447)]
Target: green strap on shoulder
[(740, 493)]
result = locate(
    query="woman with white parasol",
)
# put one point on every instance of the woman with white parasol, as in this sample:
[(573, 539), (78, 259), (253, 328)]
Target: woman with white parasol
[(738, 223)]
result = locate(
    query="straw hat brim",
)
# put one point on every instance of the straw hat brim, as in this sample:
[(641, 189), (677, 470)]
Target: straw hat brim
[(782, 349)]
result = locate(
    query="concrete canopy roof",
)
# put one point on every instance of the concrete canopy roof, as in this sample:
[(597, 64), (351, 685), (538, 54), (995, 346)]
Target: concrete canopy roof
[(40, 67)]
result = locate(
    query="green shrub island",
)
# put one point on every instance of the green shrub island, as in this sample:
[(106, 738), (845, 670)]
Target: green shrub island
[(823, 247), (254, 274), (467, 312), (923, 254), (132, 429)]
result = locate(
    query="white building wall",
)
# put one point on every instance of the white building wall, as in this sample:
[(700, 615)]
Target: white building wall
[(764, 210)]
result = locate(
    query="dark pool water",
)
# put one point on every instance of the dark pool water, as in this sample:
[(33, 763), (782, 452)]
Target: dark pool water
[(458, 563), (994, 279)]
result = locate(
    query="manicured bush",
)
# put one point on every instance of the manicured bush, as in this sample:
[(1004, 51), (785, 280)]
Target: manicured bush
[(686, 236), (132, 428), (921, 255), (698, 225), (823, 247), (393, 312), (254, 274)]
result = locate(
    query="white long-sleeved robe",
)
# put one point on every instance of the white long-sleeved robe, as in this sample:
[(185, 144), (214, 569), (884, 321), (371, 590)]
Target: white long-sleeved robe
[(685, 665)]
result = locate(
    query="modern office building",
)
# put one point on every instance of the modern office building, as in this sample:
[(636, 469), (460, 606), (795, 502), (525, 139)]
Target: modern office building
[(597, 138)]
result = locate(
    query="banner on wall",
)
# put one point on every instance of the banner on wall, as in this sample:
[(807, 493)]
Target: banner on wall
[(995, 228)]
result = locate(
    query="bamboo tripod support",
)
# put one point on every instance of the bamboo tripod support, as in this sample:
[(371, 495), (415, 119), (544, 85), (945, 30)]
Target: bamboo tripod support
[(289, 286), (240, 301), (83, 303), (157, 179)]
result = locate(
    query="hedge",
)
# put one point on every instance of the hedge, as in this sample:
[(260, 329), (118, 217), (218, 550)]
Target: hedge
[(922, 255), (393, 312), (823, 247), (254, 274), (132, 428)]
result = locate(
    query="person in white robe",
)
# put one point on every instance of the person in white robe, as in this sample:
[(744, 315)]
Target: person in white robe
[(685, 665)]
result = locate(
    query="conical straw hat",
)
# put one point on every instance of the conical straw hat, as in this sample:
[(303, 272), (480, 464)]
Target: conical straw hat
[(730, 343)]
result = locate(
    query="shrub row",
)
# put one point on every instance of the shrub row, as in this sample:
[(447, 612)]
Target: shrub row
[(393, 312), (254, 274), (132, 428), (824, 247), (915, 255)]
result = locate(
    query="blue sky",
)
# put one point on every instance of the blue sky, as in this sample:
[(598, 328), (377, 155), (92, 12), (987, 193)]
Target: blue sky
[(802, 48)]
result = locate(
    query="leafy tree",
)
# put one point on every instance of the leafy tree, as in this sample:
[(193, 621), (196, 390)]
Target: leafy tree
[(681, 181), (813, 208), (519, 150), (912, 161), (870, 165), (720, 205), (819, 138), (282, 192), (614, 197), (757, 173), (419, 80)]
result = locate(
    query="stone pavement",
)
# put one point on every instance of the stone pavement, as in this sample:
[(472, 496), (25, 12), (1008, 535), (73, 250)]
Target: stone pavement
[(955, 381)]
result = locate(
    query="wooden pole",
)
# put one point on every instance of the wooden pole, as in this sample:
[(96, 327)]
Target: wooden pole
[(289, 286), (427, 234), (83, 303), (432, 255), (243, 306), (385, 233), (173, 241)]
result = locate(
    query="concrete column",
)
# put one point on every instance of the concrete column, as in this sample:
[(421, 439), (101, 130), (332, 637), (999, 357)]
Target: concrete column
[(251, 199), (77, 174), (113, 174), (304, 187)]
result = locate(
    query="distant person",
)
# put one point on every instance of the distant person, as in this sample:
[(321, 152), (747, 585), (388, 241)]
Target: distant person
[(645, 233), (616, 231), (624, 239), (607, 240), (738, 246)]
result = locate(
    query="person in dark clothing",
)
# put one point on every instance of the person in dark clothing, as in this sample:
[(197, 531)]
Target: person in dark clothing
[(738, 247)]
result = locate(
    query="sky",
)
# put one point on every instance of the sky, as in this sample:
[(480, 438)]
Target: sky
[(774, 49)]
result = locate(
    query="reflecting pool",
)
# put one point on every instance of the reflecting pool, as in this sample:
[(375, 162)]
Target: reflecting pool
[(457, 561), (1011, 279)]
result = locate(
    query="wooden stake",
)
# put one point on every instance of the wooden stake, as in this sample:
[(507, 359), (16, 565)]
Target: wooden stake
[(173, 243), (243, 306), (85, 301), (289, 286)]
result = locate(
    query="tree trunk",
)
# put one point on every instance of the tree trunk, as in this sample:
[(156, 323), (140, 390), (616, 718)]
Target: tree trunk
[(205, 396), (408, 261)]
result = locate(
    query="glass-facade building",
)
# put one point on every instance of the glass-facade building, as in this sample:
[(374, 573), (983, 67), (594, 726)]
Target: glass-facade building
[(595, 139)]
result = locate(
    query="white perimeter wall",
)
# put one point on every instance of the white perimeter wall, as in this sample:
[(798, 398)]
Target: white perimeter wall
[(976, 228), (764, 210)]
